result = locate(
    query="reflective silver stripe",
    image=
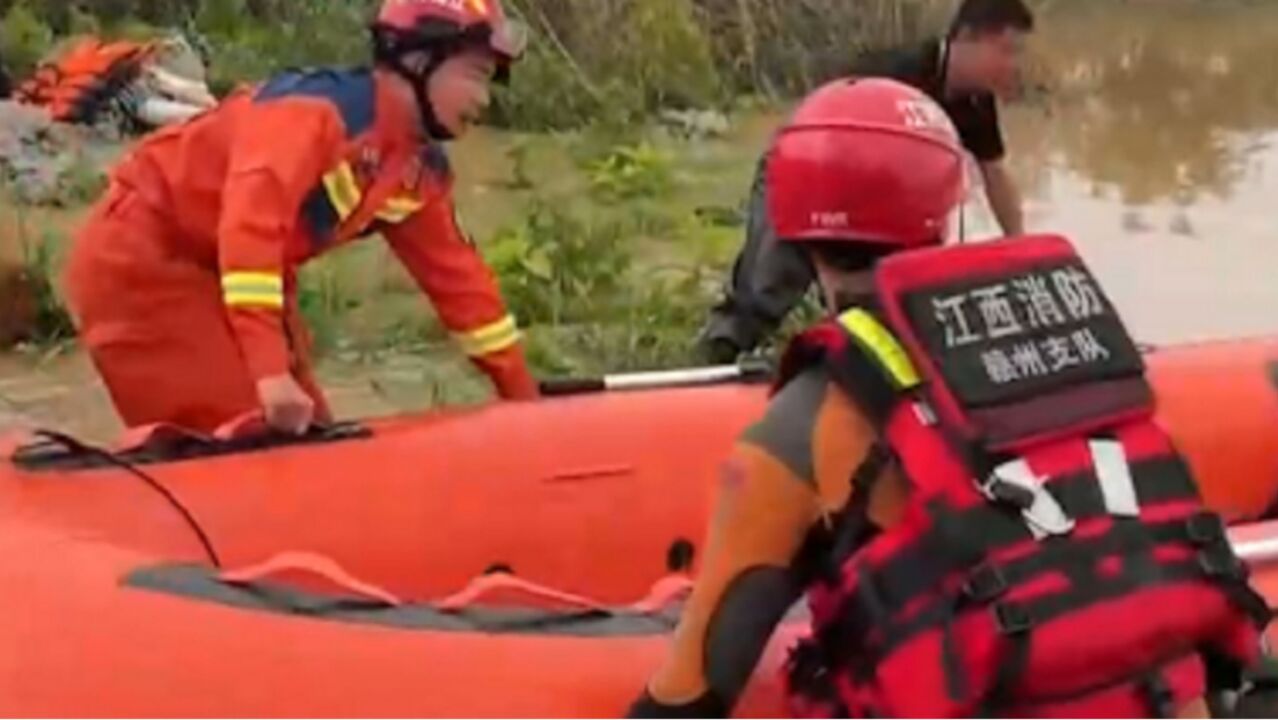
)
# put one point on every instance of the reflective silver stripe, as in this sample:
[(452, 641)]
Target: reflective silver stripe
[(1258, 552), (1114, 475), (1256, 543)]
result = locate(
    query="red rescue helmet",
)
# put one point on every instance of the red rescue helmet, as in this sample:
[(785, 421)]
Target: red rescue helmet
[(404, 26), (869, 161), (440, 29)]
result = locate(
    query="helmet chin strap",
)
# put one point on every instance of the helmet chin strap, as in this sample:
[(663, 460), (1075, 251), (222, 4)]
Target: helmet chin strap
[(435, 130)]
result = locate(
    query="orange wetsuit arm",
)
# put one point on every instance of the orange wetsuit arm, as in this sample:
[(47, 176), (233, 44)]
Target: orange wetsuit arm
[(782, 480), (452, 273), (274, 163), (761, 519)]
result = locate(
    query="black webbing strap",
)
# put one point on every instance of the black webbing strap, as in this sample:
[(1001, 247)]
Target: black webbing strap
[(921, 567)]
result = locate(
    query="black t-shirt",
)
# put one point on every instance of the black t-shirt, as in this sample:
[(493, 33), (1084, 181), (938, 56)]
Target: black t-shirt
[(975, 115), (5, 86)]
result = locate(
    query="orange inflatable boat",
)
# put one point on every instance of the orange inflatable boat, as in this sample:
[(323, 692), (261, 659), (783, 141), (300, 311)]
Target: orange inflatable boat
[(515, 560)]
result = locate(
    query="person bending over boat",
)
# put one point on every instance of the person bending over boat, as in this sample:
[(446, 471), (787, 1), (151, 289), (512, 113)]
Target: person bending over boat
[(960, 469), (965, 71), (184, 278)]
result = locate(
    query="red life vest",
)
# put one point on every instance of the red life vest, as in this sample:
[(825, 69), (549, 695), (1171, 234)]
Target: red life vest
[(1054, 558), (77, 84)]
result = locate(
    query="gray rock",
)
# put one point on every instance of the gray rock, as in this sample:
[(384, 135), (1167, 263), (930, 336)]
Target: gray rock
[(696, 123), (46, 162)]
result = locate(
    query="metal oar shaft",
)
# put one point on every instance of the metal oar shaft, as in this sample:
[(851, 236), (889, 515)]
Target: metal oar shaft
[(658, 379)]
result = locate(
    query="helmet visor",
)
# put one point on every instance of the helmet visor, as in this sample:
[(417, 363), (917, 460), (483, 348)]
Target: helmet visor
[(509, 39)]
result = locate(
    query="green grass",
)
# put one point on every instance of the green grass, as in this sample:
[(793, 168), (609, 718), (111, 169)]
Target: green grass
[(610, 263), (611, 62), (34, 250)]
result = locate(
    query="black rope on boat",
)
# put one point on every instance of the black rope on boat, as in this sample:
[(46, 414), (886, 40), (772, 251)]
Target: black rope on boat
[(112, 459)]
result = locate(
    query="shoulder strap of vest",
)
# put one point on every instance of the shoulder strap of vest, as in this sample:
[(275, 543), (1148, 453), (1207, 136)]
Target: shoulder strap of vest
[(867, 362), (871, 366)]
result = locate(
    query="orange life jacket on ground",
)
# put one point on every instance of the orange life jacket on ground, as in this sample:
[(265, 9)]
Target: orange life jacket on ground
[(78, 84)]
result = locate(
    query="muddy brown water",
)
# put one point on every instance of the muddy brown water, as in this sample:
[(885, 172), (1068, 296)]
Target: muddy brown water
[(1155, 148), (1158, 155)]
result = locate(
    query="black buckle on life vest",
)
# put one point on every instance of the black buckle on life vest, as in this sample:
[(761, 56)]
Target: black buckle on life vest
[(1219, 561), (809, 671), (1205, 529), (984, 584), (1159, 695), (1008, 493), (1012, 619)]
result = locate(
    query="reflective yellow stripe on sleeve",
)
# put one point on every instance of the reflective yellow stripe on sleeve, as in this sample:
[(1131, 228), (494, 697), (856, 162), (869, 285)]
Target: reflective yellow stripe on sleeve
[(253, 290), (489, 339), (882, 345), (343, 190), (398, 209)]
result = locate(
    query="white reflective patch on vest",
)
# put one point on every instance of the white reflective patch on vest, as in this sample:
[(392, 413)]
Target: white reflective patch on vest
[(924, 413), (1044, 516), (1114, 476)]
